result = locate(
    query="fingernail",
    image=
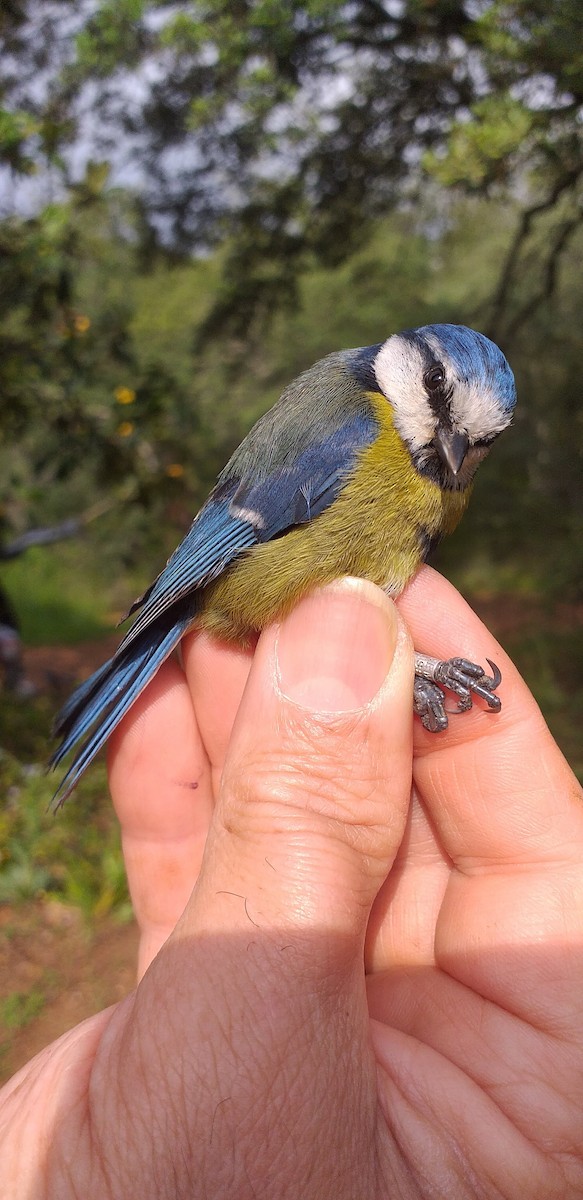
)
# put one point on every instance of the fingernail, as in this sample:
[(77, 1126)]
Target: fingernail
[(336, 647)]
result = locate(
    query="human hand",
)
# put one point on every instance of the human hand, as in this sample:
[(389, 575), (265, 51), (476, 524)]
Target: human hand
[(256, 1059)]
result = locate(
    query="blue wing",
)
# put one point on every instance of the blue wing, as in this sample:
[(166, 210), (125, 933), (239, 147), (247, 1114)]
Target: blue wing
[(240, 513)]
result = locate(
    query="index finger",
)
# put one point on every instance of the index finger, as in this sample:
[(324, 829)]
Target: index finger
[(496, 784), (507, 811), (160, 782)]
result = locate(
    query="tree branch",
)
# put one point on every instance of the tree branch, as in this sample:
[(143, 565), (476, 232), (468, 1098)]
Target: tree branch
[(549, 279), (500, 298), (41, 537)]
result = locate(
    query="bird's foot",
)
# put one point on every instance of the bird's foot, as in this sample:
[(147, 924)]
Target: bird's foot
[(465, 679)]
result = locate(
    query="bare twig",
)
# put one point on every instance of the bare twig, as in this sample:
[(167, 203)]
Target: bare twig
[(549, 279), (500, 299)]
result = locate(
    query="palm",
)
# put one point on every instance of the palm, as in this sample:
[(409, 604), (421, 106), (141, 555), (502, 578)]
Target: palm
[(459, 970)]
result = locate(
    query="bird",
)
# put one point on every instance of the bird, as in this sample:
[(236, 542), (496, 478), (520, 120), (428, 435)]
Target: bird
[(360, 468)]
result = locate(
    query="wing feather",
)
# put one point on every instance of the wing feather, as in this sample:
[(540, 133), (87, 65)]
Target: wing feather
[(242, 511)]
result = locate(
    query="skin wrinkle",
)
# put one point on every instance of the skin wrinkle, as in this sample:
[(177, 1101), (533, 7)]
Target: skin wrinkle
[(284, 1085), (400, 894), (322, 774), (295, 802), (453, 991), (448, 958), (448, 1009), (338, 807), (77, 1142), (401, 1133), (275, 817), (326, 856), (282, 774), (143, 1056), (418, 1099)]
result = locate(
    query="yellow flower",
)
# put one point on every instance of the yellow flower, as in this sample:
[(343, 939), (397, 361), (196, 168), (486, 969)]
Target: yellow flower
[(81, 323), (126, 428), (124, 395), (175, 470)]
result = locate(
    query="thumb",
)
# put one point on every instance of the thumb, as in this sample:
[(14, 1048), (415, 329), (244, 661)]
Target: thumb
[(249, 1033), (317, 779)]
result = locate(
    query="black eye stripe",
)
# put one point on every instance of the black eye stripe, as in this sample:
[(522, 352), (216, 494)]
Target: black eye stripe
[(439, 398)]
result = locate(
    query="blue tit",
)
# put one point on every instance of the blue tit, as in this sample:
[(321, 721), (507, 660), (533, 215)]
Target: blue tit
[(362, 465)]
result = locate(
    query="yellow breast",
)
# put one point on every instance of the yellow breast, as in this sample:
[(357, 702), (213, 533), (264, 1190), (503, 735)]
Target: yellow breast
[(378, 528)]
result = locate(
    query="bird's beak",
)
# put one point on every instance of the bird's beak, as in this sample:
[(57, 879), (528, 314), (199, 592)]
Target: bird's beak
[(452, 447)]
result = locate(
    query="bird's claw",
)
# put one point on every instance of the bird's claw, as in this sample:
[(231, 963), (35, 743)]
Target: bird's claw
[(428, 703), (466, 678), (460, 676)]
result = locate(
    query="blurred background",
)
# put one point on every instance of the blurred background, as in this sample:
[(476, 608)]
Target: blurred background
[(198, 200)]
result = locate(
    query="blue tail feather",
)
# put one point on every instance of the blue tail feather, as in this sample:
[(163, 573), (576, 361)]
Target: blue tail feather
[(98, 694), (102, 700), (76, 702)]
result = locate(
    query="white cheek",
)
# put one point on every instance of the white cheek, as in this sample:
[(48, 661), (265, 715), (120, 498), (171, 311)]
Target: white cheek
[(399, 371), (477, 411)]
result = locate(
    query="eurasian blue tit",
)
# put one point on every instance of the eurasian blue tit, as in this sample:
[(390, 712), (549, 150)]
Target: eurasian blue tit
[(362, 465)]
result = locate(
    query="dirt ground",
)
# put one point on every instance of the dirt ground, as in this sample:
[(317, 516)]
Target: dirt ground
[(57, 973), (49, 962), (55, 970)]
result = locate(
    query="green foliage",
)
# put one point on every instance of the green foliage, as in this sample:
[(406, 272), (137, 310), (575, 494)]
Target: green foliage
[(58, 594), (19, 1008), (523, 34), (551, 664), (86, 424), (17, 128), (483, 150), (111, 34), (73, 855), (291, 126)]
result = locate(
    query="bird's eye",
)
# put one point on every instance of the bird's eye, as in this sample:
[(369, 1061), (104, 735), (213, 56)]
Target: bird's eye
[(434, 378)]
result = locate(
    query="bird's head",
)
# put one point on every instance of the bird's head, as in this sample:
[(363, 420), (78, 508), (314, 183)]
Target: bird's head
[(451, 391)]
